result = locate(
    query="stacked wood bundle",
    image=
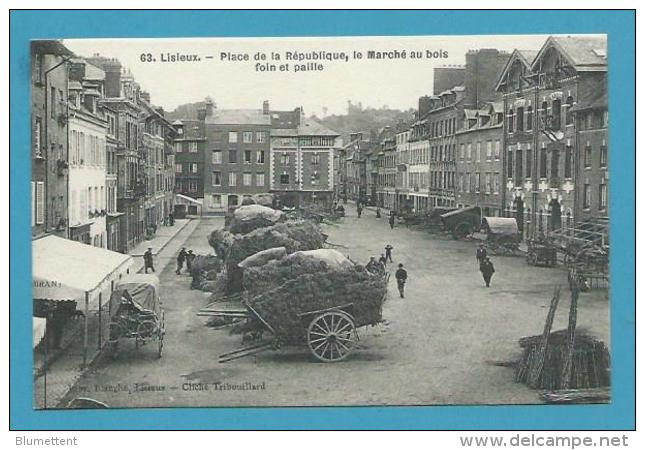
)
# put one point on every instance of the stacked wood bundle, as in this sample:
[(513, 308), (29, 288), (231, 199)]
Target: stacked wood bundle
[(569, 396), (543, 368), (282, 307)]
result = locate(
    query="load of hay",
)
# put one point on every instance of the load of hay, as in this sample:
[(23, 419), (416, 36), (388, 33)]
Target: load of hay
[(264, 199), (250, 217), (204, 268), (313, 281), (221, 241)]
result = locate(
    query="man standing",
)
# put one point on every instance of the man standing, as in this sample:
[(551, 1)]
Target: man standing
[(147, 260), (181, 257), (401, 276), (189, 261), (383, 260), (359, 209), (392, 218), (388, 252), (487, 269), (481, 254)]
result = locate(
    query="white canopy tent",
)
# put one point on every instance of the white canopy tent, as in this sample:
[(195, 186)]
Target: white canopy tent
[(64, 270)]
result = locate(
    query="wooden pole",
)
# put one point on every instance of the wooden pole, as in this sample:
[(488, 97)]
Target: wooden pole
[(87, 308), (536, 371), (567, 369), (100, 317)]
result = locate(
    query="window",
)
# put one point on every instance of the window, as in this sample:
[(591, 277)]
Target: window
[(497, 149), (260, 156), (603, 154), (602, 196), (284, 178), (510, 118), (247, 137), (193, 167), (52, 103), (529, 118), (284, 159), (259, 179), (529, 162), (518, 167), (488, 183), (217, 157), (588, 155), (605, 119), (247, 179), (568, 112), (477, 181), (178, 168), (568, 161), (232, 137), (247, 156), (543, 163), (555, 163), (556, 112), (232, 156), (496, 183), (520, 119), (178, 147), (586, 196), (232, 179), (509, 165), (315, 159), (38, 137), (544, 114), (217, 178), (38, 70), (260, 137), (489, 150), (192, 186), (192, 147), (216, 201), (469, 152), (462, 151)]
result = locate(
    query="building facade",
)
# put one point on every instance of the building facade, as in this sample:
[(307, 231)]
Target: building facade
[(237, 156), (190, 161), (301, 159), (49, 122), (387, 169), (543, 151)]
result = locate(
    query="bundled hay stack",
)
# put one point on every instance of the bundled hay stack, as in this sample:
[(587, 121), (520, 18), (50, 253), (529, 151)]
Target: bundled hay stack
[(250, 217), (221, 241), (314, 291), (264, 199), (590, 362), (204, 268)]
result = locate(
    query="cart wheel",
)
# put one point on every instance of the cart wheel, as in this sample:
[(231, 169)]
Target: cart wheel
[(145, 330), (331, 336)]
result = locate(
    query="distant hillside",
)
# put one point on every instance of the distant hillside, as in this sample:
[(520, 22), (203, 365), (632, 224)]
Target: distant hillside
[(185, 111)]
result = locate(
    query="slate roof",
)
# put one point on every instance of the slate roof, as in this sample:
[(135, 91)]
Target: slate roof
[(238, 117), (584, 53)]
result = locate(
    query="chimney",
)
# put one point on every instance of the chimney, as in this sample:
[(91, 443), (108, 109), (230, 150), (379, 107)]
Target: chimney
[(145, 96), (201, 113), (265, 107), (208, 108)]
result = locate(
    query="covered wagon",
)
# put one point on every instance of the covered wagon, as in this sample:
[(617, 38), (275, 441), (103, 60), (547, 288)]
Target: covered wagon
[(502, 235)]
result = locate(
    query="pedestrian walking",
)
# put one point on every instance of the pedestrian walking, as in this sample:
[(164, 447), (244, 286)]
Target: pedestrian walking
[(388, 252), (181, 257), (392, 218), (487, 269), (171, 219), (359, 210), (147, 260), (401, 276), (482, 253), (378, 212), (189, 261), (383, 260)]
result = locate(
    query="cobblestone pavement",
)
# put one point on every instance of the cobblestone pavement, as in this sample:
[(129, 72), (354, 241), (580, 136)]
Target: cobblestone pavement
[(435, 346)]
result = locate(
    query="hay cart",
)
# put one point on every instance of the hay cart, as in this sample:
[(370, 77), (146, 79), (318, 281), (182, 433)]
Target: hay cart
[(502, 235), (462, 222), (329, 334), (541, 253)]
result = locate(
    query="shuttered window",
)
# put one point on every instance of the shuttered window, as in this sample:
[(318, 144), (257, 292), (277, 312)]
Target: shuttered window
[(40, 202), (33, 203)]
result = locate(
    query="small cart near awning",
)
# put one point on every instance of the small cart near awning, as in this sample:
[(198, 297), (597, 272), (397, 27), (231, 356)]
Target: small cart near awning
[(65, 270)]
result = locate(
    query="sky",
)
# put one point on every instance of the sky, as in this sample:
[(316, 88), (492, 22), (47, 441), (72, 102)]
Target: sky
[(233, 82)]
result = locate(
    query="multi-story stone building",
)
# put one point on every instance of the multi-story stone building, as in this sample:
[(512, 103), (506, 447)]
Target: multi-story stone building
[(542, 142), (49, 122), (113, 219), (190, 162), (301, 159), (402, 189), (355, 152), (479, 159), (387, 169), (237, 156), (87, 161)]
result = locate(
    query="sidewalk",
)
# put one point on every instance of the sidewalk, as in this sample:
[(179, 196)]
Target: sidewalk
[(64, 370)]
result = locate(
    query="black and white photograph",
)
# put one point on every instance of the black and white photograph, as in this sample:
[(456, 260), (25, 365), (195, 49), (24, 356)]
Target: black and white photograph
[(320, 221)]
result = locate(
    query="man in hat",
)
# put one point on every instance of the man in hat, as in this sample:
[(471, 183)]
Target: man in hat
[(383, 261), (482, 253), (392, 219), (181, 257), (388, 252), (401, 276), (487, 269), (147, 260)]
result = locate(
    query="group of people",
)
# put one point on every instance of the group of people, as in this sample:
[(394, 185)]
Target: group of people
[(377, 267), (485, 264), (169, 220), (185, 257)]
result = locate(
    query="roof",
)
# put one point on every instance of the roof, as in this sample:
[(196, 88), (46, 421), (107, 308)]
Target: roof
[(238, 117), (50, 47), (65, 270), (310, 127), (583, 52), (526, 57), (471, 114), (497, 107), (500, 225)]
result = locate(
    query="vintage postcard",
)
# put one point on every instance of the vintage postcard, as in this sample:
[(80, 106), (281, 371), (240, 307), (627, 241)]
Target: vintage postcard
[(342, 221)]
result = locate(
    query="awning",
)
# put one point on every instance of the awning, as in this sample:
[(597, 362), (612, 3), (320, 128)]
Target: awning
[(66, 270), (187, 199), (39, 327)]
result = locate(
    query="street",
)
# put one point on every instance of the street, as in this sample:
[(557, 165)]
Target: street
[(436, 346)]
